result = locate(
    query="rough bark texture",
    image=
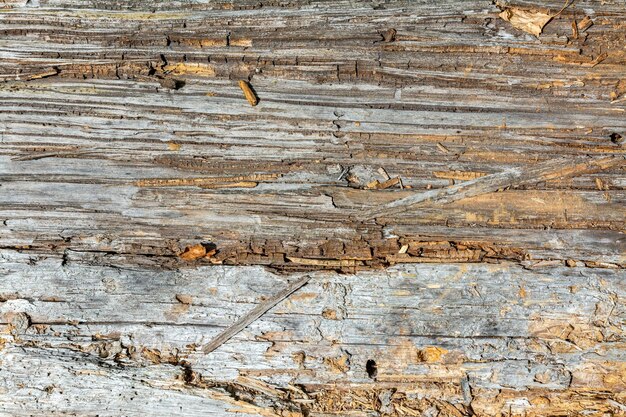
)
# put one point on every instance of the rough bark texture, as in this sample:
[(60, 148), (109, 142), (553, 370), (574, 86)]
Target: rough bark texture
[(454, 185)]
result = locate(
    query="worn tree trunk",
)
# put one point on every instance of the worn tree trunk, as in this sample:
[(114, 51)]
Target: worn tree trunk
[(452, 185)]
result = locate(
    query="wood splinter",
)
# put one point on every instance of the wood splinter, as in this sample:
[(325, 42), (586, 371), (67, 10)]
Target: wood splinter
[(253, 315), (574, 30), (584, 24), (248, 92)]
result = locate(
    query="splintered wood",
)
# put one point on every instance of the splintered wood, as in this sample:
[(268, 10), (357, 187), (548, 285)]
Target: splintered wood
[(575, 30), (197, 251), (248, 93), (383, 185), (530, 21), (584, 24), (193, 252), (451, 174), (213, 182)]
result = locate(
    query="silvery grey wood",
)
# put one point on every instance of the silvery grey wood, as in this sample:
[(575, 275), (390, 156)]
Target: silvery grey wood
[(125, 140), (120, 342)]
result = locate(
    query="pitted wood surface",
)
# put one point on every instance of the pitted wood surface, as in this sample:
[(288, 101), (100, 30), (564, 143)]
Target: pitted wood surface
[(141, 196)]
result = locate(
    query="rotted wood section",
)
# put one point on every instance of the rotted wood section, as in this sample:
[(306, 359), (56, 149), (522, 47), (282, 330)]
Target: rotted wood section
[(453, 185)]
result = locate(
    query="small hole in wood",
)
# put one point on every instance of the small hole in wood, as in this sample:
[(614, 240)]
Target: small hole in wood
[(616, 138), (371, 368)]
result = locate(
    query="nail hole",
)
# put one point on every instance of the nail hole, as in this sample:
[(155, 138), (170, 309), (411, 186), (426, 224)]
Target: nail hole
[(371, 368), (616, 138)]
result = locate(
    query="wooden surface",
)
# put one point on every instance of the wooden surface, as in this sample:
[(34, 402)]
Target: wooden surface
[(454, 185)]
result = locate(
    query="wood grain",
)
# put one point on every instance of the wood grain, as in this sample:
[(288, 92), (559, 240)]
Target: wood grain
[(550, 170), (91, 133), (145, 205), (476, 338)]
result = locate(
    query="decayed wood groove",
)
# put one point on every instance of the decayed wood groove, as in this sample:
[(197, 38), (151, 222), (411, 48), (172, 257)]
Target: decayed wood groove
[(141, 197)]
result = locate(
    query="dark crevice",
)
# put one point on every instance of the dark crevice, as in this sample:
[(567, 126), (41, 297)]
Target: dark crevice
[(371, 368)]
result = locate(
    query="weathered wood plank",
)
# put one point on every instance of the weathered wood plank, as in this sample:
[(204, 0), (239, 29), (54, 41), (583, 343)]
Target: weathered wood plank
[(479, 337), (458, 93), (125, 139)]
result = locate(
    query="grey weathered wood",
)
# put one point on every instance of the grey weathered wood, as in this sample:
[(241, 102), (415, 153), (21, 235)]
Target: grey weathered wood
[(125, 139), (458, 93), (465, 335)]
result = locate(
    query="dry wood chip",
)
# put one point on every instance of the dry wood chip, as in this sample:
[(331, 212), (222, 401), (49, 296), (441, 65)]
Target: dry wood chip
[(389, 183), (377, 185), (323, 262), (373, 184), (255, 313), (248, 92), (459, 175), (574, 30), (546, 263), (584, 24), (384, 173), (529, 21), (260, 386), (600, 185), (242, 184), (191, 253), (442, 148), (46, 74), (240, 180), (173, 146)]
